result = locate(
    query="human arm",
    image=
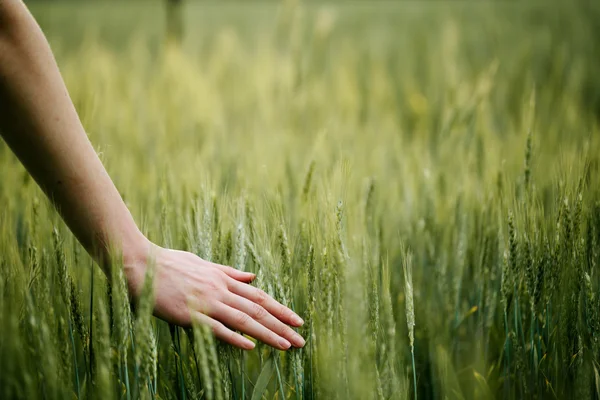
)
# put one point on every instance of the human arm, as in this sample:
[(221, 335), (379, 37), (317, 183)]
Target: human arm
[(40, 124)]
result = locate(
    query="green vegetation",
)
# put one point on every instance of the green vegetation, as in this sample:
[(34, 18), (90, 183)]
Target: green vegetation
[(420, 183)]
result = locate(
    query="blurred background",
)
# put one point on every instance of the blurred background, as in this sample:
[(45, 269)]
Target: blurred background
[(548, 38), (314, 142)]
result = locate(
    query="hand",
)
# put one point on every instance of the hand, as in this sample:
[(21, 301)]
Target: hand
[(189, 288)]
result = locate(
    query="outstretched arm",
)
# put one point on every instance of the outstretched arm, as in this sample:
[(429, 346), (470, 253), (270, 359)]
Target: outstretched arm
[(39, 123)]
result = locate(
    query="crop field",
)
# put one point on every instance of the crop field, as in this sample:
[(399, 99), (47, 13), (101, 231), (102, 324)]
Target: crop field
[(419, 181)]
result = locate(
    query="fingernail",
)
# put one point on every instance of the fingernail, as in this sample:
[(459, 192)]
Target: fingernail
[(250, 345), (297, 320), (298, 340), (284, 344)]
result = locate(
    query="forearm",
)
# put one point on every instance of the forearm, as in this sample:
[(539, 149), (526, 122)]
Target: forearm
[(39, 123)]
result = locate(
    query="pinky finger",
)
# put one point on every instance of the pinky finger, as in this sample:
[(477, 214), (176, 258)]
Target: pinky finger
[(236, 274), (222, 332)]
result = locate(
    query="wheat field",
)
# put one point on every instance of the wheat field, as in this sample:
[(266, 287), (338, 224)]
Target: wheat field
[(420, 182)]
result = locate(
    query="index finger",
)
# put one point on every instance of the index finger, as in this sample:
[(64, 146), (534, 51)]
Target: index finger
[(258, 296)]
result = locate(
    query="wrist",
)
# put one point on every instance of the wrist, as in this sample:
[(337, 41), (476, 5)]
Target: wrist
[(131, 249), (137, 252), (135, 249)]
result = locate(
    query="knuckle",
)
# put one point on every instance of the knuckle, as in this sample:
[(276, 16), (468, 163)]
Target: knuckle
[(213, 285), (273, 339), (216, 286), (261, 297), (229, 270), (287, 332), (286, 313), (258, 312), (283, 330), (232, 337), (241, 318), (223, 279)]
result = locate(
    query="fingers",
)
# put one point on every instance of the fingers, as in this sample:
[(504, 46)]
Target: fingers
[(241, 321), (224, 333), (235, 274), (262, 316), (259, 297)]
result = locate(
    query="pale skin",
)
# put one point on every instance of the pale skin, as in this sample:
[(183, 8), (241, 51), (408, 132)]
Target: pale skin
[(40, 124)]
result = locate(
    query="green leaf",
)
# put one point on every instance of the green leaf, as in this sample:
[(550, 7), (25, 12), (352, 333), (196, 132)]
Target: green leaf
[(263, 380), (483, 385)]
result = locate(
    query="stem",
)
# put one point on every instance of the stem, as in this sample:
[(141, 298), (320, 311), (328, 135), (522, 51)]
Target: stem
[(533, 348), (539, 344), (126, 378), (298, 388), (276, 356), (242, 368), (178, 363), (412, 351), (519, 330), (506, 349), (74, 358), (90, 347), (136, 369), (312, 384)]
